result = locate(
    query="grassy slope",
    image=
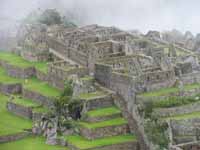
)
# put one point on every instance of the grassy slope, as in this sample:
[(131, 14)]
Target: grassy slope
[(9, 123), (111, 122), (43, 88), (104, 112), (83, 143), (30, 143), (20, 62), (25, 102)]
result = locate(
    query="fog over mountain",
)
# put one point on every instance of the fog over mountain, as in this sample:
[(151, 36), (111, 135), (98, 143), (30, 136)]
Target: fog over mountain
[(128, 14)]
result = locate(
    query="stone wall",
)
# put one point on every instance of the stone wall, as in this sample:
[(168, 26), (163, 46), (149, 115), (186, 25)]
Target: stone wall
[(37, 97), (166, 112), (185, 131), (108, 131), (123, 146), (14, 137), (125, 89), (19, 110), (18, 72), (42, 76), (10, 88), (31, 55), (190, 78)]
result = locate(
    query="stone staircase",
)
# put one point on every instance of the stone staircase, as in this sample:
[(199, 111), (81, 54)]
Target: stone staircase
[(102, 126)]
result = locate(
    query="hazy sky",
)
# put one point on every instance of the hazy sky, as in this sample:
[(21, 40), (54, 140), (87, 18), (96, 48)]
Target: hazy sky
[(127, 14)]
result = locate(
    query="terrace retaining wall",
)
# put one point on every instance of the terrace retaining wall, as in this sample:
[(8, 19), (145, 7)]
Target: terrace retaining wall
[(20, 110), (123, 146), (11, 88), (166, 112), (108, 131), (37, 97), (14, 137), (18, 72)]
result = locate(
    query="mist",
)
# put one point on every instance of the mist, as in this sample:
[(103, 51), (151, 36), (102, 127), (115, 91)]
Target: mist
[(143, 15)]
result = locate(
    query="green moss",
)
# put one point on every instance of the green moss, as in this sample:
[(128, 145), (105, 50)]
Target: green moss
[(88, 96), (9, 123), (185, 116), (104, 112), (166, 91), (111, 122), (83, 143), (43, 88), (30, 143)]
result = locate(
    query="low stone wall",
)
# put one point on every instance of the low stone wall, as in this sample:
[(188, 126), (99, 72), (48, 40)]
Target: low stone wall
[(104, 101), (184, 131), (18, 72), (46, 101), (14, 137), (19, 110), (55, 81), (10, 88), (123, 146), (190, 78), (108, 131), (166, 112), (37, 116)]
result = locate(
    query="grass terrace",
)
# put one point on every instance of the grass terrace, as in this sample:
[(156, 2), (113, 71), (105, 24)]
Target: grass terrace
[(184, 116), (9, 123), (18, 61), (83, 143), (43, 88), (111, 122), (167, 91), (89, 96), (104, 112), (30, 143), (25, 102)]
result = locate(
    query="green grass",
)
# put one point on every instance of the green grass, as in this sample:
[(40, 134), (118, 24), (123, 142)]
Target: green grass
[(25, 102), (42, 109), (5, 79), (88, 96), (111, 122), (185, 116), (43, 88), (30, 143), (9, 123), (83, 143), (104, 112), (87, 78), (18, 61), (166, 91)]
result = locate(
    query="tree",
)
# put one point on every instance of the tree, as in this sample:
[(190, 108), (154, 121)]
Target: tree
[(50, 17)]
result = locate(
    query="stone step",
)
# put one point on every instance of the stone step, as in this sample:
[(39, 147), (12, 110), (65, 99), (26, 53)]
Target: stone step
[(122, 142), (103, 114), (112, 127)]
